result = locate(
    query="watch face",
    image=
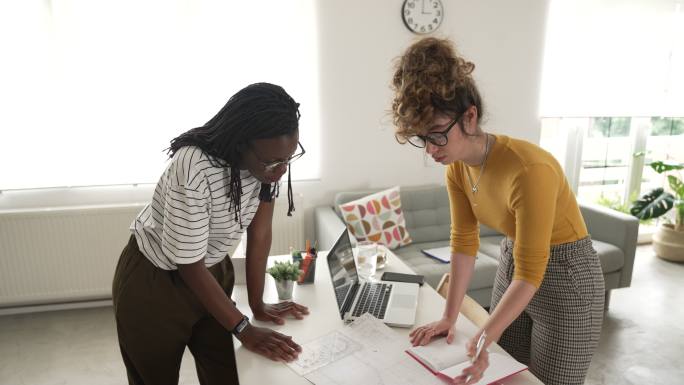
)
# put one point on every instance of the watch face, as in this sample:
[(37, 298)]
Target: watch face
[(241, 326), (422, 16)]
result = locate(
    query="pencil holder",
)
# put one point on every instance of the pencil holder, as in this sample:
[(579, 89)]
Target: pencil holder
[(307, 264)]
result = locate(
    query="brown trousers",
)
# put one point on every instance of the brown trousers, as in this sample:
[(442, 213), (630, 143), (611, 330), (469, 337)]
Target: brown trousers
[(157, 316)]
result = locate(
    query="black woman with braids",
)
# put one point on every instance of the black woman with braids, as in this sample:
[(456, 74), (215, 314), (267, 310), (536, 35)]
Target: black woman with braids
[(174, 279)]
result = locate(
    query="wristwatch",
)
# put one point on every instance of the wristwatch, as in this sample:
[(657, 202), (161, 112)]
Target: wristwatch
[(244, 322)]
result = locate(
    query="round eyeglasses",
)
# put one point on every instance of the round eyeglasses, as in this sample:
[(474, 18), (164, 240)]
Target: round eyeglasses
[(438, 138), (271, 166)]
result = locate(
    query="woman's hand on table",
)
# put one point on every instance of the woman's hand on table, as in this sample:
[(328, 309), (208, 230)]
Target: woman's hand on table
[(269, 343), (422, 335)]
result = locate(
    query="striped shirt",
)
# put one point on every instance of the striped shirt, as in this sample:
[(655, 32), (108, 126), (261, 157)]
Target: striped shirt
[(190, 216)]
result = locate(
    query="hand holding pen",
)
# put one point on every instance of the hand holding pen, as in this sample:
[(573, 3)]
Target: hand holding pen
[(479, 359)]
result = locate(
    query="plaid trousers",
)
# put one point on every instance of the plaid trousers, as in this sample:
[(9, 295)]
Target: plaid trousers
[(558, 332)]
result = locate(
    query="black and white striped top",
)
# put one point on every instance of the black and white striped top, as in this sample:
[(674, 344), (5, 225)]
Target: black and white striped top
[(189, 216)]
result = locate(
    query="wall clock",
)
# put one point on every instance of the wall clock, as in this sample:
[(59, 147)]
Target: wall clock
[(422, 16)]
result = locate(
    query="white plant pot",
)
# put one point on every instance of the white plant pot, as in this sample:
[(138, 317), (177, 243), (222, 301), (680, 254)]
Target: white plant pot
[(668, 243), (284, 289)]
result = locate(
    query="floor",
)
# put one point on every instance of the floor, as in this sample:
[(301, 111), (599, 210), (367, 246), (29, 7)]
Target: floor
[(642, 340)]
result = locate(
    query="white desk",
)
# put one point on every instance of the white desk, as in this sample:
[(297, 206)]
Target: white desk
[(324, 317)]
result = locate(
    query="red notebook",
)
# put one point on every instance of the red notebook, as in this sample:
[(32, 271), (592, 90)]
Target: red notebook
[(447, 361)]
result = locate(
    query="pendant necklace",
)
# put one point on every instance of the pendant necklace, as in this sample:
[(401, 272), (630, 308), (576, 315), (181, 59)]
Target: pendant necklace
[(474, 186)]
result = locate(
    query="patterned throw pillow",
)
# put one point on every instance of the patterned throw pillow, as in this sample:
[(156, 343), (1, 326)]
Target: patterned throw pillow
[(377, 218)]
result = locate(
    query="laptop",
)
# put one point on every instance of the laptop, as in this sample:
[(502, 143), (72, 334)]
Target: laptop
[(394, 303)]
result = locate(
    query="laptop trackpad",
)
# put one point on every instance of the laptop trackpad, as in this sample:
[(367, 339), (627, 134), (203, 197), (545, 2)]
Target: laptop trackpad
[(404, 301)]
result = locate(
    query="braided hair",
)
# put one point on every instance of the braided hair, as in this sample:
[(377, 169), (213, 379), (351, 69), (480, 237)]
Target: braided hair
[(258, 111)]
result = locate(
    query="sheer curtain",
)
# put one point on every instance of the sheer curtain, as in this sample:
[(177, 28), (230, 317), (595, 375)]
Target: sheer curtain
[(614, 58), (92, 91)]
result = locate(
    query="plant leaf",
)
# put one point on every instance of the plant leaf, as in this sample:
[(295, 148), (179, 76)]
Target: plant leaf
[(661, 167), (653, 204), (676, 185), (284, 271)]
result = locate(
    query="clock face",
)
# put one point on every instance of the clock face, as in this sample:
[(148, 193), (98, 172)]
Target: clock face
[(422, 16)]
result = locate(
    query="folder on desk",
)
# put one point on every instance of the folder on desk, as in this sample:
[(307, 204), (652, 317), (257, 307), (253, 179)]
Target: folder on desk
[(442, 254), (448, 361)]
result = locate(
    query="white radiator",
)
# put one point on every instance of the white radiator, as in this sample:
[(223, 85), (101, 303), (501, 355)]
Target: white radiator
[(69, 255), (287, 231), (61, 255)]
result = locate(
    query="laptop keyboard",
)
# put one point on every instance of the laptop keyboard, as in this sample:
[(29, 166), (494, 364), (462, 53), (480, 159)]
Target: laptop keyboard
[(341, 292), (373, 299)]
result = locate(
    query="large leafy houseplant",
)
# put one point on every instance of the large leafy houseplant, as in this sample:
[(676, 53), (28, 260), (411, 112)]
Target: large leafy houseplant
[(668, 239), (658, 202)]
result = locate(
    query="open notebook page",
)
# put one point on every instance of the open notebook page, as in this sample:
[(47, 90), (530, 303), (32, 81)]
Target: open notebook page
[(500, 367), (438, 355)]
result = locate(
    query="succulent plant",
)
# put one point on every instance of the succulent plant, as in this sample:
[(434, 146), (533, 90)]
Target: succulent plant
[(284, 271)]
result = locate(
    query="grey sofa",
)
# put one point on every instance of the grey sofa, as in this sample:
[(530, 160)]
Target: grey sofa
[(426, 209)]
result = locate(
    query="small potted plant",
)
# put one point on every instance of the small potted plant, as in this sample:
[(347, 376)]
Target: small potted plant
[(668, 241), (284, 274)]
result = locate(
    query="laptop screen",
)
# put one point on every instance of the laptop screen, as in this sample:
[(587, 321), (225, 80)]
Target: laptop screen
[(342, 267)]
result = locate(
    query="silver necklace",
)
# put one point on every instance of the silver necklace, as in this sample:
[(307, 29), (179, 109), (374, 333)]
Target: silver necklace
[(474, 186)]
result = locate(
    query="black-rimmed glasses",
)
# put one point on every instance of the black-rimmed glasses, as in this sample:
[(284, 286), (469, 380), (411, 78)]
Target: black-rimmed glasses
[(438, 138), (270, 166)]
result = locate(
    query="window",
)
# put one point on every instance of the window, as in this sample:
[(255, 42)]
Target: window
[(612, 94), (665, 142), (93, 91), (605, 159), (614, 154)]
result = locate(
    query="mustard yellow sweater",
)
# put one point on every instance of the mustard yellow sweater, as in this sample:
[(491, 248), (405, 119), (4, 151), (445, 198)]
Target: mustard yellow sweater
[(523, 194)]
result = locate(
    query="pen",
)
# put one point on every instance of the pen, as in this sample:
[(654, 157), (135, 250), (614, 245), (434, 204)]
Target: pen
[(478, 350)]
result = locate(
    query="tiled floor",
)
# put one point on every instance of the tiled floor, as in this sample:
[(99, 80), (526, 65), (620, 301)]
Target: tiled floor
[(642, 340)]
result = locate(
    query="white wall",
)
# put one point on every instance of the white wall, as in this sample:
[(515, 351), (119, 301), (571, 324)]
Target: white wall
[(358, 41)]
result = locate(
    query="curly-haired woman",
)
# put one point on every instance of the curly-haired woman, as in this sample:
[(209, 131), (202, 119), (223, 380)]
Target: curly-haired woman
[(547, 302)]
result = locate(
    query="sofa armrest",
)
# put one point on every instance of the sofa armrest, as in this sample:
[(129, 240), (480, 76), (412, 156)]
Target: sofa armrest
[(328, 227), (616, 228)]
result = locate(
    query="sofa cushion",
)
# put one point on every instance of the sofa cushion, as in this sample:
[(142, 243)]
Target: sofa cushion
[(427, 214), (433, 270), (425, 209), (348, 196), (377, 217), (612, 258)]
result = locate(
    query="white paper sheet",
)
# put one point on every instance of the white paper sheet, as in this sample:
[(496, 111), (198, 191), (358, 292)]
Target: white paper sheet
[(323, 351), (381, 360)]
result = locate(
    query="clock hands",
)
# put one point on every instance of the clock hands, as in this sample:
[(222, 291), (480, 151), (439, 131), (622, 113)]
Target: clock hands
[(422, 8)]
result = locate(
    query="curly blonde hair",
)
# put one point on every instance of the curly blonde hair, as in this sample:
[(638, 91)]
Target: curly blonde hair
[(429, 78)]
